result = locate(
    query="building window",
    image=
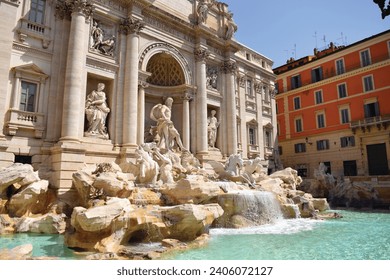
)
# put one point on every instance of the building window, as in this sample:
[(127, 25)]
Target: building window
[(300, 148), (252, 136), (368, 83), (280, 150), (28, 96), (371, 110), (350, 168), (320, 120), (340, 69), (297, 103), (37, 11), (342, 90), (296, 81), (347, 141), (298, 125), (365, 59), (322, 145), (388, 46), (318, 96), (249, 88), (328, 167), (268, 138), (316, 74), (344, 115)]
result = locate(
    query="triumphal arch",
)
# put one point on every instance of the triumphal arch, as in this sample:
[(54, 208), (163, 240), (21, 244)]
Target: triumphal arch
[(88, 81)]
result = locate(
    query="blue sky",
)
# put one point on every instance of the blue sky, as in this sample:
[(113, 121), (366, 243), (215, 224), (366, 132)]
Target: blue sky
[(283, 29)]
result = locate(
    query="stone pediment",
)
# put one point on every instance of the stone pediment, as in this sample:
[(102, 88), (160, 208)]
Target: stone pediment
[(31, 69)]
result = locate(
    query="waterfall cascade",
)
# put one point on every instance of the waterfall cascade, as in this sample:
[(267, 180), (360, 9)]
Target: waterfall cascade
[(257, 207)]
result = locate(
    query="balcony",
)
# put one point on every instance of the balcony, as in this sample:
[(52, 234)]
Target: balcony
[(35, 30), (367, 123), (268, 152), (30, 121)]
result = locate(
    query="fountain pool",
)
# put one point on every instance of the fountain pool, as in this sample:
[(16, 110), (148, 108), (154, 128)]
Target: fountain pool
[(356, 236)]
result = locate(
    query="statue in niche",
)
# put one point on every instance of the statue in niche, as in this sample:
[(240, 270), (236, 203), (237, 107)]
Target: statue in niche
[(96, 111), (212, 78), (203, 9), (231, 27), (99, 43), (213, 124), (168, 135)]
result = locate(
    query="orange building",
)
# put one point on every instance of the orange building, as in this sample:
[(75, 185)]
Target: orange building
[(334, 107)]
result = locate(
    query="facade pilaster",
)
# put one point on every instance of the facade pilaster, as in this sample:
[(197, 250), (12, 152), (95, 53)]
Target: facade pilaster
[(229, 68), (131, 27), (187, 97), (141, 111), (201, 101), (81, 10)]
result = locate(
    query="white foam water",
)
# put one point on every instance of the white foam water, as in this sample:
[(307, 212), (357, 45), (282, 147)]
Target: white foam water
[(281, 226)]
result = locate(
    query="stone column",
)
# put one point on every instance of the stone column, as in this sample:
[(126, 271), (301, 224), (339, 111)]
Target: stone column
[(187, 97), (201, 101), (75, 67), (228, 68), (131, 27), (8, 15), (141, 111)]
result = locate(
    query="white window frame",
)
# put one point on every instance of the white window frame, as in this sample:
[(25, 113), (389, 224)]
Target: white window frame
[(318, 95), (341, 109), (341, 60), (338, 90), (318, 114), (371, 77), (299, 101), (363, 62), (301, 124)]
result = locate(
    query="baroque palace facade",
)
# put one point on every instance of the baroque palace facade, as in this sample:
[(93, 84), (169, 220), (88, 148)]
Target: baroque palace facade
[(333, 107), (81, 79)]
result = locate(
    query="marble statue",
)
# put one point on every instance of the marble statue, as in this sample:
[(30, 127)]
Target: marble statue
[(253, 168), (231, 27), (96, 111), (168, 134), (213, 124), (202, 10)]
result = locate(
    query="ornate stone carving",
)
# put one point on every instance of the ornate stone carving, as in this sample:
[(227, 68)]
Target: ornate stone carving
[(61, 10), (143, 84), (258, 87), (84, 7), (229, 66), (96, 111), (187, 96), (241, 80), (201, 54), (131, 25), (212, 77), (99, 41)]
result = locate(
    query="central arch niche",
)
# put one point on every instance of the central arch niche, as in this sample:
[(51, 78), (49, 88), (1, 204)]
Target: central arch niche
[(165, 71), (166, 79)]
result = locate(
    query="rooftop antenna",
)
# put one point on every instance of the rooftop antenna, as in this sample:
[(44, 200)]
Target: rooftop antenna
[(324, 39), (294, 51), (343, 39), (315, 36)]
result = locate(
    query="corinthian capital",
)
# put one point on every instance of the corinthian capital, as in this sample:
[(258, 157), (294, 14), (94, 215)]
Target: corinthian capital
[(229, 67), (84, 7), (131, 25), (201, 54)]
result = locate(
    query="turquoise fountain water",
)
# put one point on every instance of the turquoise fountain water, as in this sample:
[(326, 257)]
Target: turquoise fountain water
[(356, 236)]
